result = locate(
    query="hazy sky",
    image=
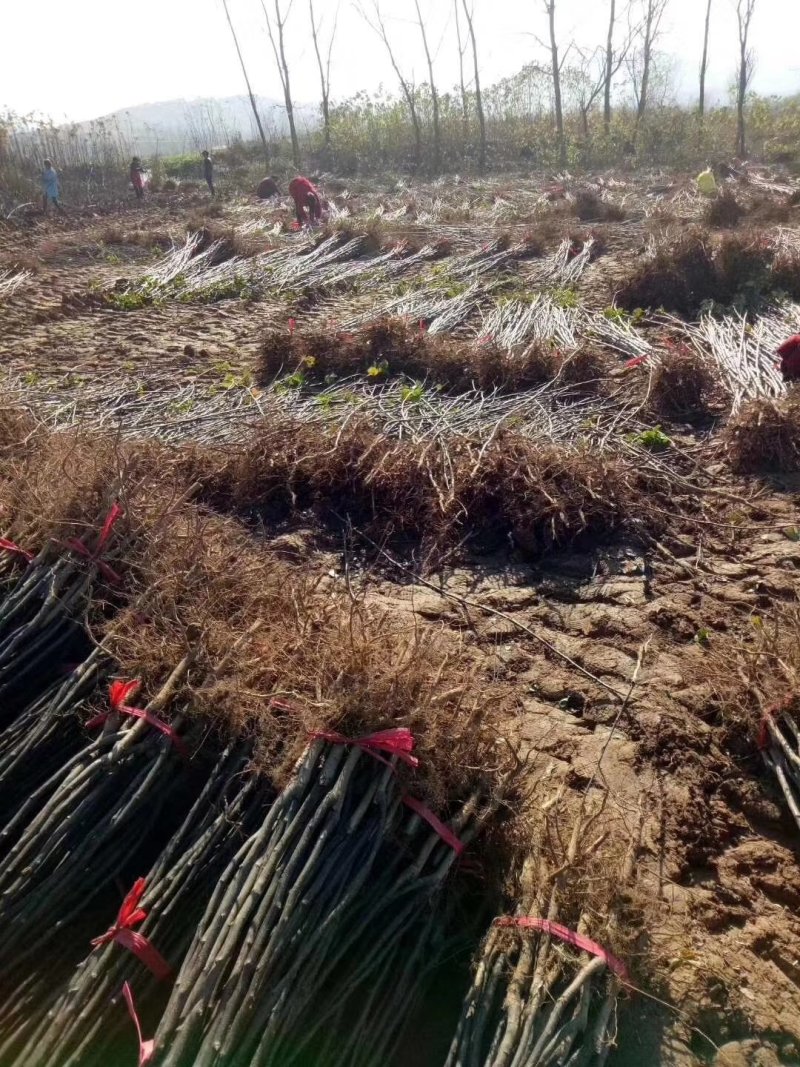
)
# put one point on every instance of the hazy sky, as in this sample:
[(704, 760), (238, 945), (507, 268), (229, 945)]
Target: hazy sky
[(83, 58)]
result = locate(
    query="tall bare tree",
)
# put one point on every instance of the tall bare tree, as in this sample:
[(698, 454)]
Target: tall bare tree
[(461, 50), (437, 134), (375, 21), (701, 103), (468, 12), (609, 77), (550, 8), (648, 31), (324, 69), (613, 60), (253, 104), (591, 74), (279, 50), (744, 16)]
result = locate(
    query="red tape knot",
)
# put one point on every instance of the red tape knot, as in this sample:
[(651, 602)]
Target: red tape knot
[(398, 741), (435, 824), (130, 915), (118, 693), (78, 546), (14, 549), (147, 1049), (570, 937)]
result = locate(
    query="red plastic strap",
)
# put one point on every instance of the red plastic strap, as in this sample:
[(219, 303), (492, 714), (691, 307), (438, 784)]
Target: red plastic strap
[(763, 732), (764, 739), (130, 915), (435, 823), (398, 741), (118, 694), (11, 546), (569, 936), (146, 1048), (94, 557)]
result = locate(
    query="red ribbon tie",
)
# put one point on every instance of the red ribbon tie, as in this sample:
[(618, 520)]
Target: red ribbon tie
[(398, 741), (570, 937), (435, 824), (118, 693), (94, 557), (130, 915), (146, 1048), (11, 546)]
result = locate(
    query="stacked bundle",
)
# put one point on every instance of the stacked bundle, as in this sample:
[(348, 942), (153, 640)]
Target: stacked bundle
[(779, 742), (544, 995), (316, 936)]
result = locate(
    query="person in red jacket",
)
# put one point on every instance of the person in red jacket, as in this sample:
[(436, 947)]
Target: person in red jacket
[(307, 201), (789, 352)]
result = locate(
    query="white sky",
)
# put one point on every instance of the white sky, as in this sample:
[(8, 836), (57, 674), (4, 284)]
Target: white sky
[(79, 59)]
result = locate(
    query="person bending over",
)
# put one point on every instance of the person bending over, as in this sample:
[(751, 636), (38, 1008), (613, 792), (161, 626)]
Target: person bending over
[(307, 201), (789, 352)]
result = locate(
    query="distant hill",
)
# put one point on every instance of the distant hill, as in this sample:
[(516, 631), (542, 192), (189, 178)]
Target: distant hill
[(173, 126)]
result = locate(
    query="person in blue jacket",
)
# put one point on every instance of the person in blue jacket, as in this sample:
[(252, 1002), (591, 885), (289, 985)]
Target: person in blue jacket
[(51, 188)]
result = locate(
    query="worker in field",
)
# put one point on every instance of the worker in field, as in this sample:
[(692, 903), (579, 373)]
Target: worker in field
[(789, 352), (208, 172), (51, 188), (267, 188), (137, 177), (308, 203)]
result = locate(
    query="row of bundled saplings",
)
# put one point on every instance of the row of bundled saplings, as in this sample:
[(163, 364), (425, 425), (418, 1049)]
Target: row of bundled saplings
[(242, 814), (250, 816)]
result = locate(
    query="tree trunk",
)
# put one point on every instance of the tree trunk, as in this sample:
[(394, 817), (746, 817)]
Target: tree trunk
[(325, 81), (287, 92), (379, 27), (562, 144), (741, 139), (253, 105), (701, 106), (744, 15), (464, 103), (437, 137), (647, 49), (478, 97), (609, 67)]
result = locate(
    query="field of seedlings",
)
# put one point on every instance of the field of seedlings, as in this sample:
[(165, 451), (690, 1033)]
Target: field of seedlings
[(399, 628)]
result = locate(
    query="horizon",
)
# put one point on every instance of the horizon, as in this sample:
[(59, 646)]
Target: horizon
[(206, 66)]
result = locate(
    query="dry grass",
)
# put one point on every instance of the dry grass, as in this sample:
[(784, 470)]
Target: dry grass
[(392, 346), (279, 651), (276, 650), (724, 212), (230, 243), (765, 437), (589, 207), (682, 384), (685, 273), (679, 277), (372, 236), (586, 368)]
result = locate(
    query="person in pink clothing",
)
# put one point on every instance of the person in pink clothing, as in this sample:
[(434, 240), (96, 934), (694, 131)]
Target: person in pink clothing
[(137, 177), (307, 201)]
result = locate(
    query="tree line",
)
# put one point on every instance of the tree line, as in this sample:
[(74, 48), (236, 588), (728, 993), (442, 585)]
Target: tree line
[(577, 79)]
